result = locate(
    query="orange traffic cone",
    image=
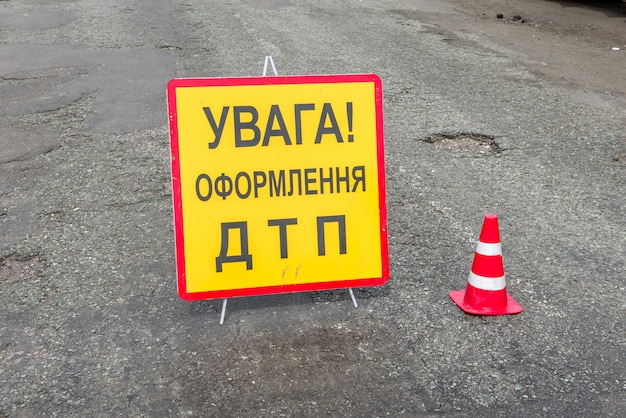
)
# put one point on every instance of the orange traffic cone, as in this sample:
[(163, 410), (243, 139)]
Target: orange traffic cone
[(486, 293)]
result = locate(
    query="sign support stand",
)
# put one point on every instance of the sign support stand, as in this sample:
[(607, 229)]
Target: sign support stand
[(353, 298), (270, 61), (223, 311)]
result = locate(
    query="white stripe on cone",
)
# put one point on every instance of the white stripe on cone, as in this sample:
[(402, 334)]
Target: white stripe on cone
[(486, 283), (488, 249)]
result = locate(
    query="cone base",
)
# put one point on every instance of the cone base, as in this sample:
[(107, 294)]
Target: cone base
[(511, 308)]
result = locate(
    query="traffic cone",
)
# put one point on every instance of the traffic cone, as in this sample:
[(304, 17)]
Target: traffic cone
[(486, 293)]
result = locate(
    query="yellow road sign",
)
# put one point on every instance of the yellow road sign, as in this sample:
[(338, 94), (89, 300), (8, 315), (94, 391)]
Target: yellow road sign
[(278, 184)]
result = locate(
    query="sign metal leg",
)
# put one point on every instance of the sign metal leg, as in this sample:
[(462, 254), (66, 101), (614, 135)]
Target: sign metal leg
[(353, 298), (223, 311), (270, 60)]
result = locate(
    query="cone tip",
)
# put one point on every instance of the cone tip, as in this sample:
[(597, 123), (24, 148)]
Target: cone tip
[(490, 232)]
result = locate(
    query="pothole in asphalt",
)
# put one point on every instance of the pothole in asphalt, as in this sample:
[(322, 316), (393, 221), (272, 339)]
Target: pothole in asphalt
[(14, 268), (463, 141)]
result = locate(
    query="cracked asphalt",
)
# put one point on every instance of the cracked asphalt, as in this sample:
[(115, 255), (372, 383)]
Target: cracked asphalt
[(90, 320)]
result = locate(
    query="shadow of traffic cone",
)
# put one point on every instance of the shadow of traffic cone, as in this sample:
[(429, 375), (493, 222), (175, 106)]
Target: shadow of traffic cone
[(486, 293)]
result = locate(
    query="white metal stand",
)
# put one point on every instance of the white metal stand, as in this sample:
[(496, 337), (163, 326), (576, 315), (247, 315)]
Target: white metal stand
[(270, 61), (223, 312), (353, 298)]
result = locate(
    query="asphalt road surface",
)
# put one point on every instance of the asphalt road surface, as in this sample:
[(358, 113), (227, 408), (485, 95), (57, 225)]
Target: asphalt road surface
[(490, 106)]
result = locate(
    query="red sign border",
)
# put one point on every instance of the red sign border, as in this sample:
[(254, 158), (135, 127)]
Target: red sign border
[(177, 193)]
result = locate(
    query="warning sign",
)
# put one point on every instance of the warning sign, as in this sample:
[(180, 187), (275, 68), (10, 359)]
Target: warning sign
[(278, 184)]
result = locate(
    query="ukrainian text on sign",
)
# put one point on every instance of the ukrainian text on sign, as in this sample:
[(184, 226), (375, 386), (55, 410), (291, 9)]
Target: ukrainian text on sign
[(278, 184)]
